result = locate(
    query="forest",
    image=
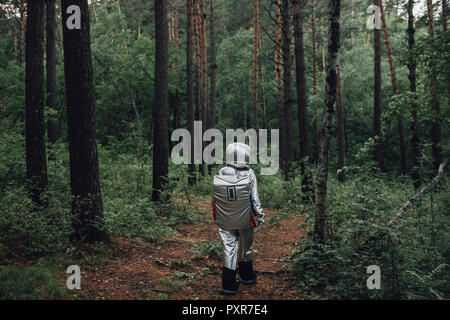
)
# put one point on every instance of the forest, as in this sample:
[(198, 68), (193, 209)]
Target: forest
[(93, 93)]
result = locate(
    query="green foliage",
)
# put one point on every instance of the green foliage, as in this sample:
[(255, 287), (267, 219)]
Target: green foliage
[(28, 230), (412, 257), (425, 285), (190, 277), (172, 283), (30, 283), (12, 94), (211, 249)]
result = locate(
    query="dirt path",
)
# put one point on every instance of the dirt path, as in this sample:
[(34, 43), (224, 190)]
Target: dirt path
[(169, 269)]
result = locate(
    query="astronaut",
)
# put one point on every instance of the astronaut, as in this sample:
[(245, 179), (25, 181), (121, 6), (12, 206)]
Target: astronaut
[(237, 211)]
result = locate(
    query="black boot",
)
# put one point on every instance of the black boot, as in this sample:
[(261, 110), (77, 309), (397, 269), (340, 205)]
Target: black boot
[(246, 273), (229, 283)]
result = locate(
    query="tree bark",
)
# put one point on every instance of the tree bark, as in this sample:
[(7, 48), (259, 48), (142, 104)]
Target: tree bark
[(87, 206), (198, 66), (263, 100), (196, 34), (176, 112), (287, 100), (377, 95), (320, 226), (444, 15), (401, 135), (22, 14), (314, 44), (203, 64), (302, 101), (415, 140), (52, 101), (190, 85), (279, 82), (435, 105), (160, 107), (16, 47), (444, 28), (120, 14), (201, 70), (94, 12), (36, 160), (139, 25), (255, 63), (340, 125), (213, 70)]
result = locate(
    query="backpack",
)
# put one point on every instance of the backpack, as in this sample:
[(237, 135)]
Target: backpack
[(233, 203)]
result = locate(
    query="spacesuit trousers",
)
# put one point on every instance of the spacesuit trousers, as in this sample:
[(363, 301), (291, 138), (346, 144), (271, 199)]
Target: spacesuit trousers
[(236, 243)]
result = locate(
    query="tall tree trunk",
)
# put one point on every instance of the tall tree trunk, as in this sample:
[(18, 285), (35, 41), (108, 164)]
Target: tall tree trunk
[(94, 12), (16, 47), (261, 87), (36, 159), (314, 44), (255, 63), (22, 14), (213, 70), (279, 82), (176, 112), (120, 14), (196, 35), (170, 22), (324, 67), (401, 135), (52, 124), (160, 107), (320, 226), (174, 36), (352, 21), (340, 125), (302, 101), (139, 25), (444, 15), (197, 53), (201, 76), (203, 63), (286, 46), (190, 85), (87, 204), (377, 94), (444, 28), (122, 23), (263, 100), (435, 105), (415, 140)]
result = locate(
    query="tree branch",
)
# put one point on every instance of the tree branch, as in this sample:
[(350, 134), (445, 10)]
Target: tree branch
[(408, 204)]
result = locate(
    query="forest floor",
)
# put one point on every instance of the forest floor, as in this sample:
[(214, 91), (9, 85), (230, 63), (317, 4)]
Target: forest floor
[(168, 269)]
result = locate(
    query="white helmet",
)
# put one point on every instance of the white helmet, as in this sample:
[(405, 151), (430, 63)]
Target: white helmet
[(238, 155)]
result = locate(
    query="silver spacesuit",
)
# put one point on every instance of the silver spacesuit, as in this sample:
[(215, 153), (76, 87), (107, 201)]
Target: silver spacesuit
[(237, 236)]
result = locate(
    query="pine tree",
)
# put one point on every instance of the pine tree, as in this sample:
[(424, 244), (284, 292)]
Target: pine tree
[(377, 94), (160, 107), (436, 133), (287, 100), (87, 206), (190, 83), (52, 124), (320, 226), (36, 159), (255, 63), (302, 101), (415, 140)]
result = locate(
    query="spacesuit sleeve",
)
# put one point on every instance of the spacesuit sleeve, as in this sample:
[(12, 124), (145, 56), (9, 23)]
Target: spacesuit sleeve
[(256, 201)]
